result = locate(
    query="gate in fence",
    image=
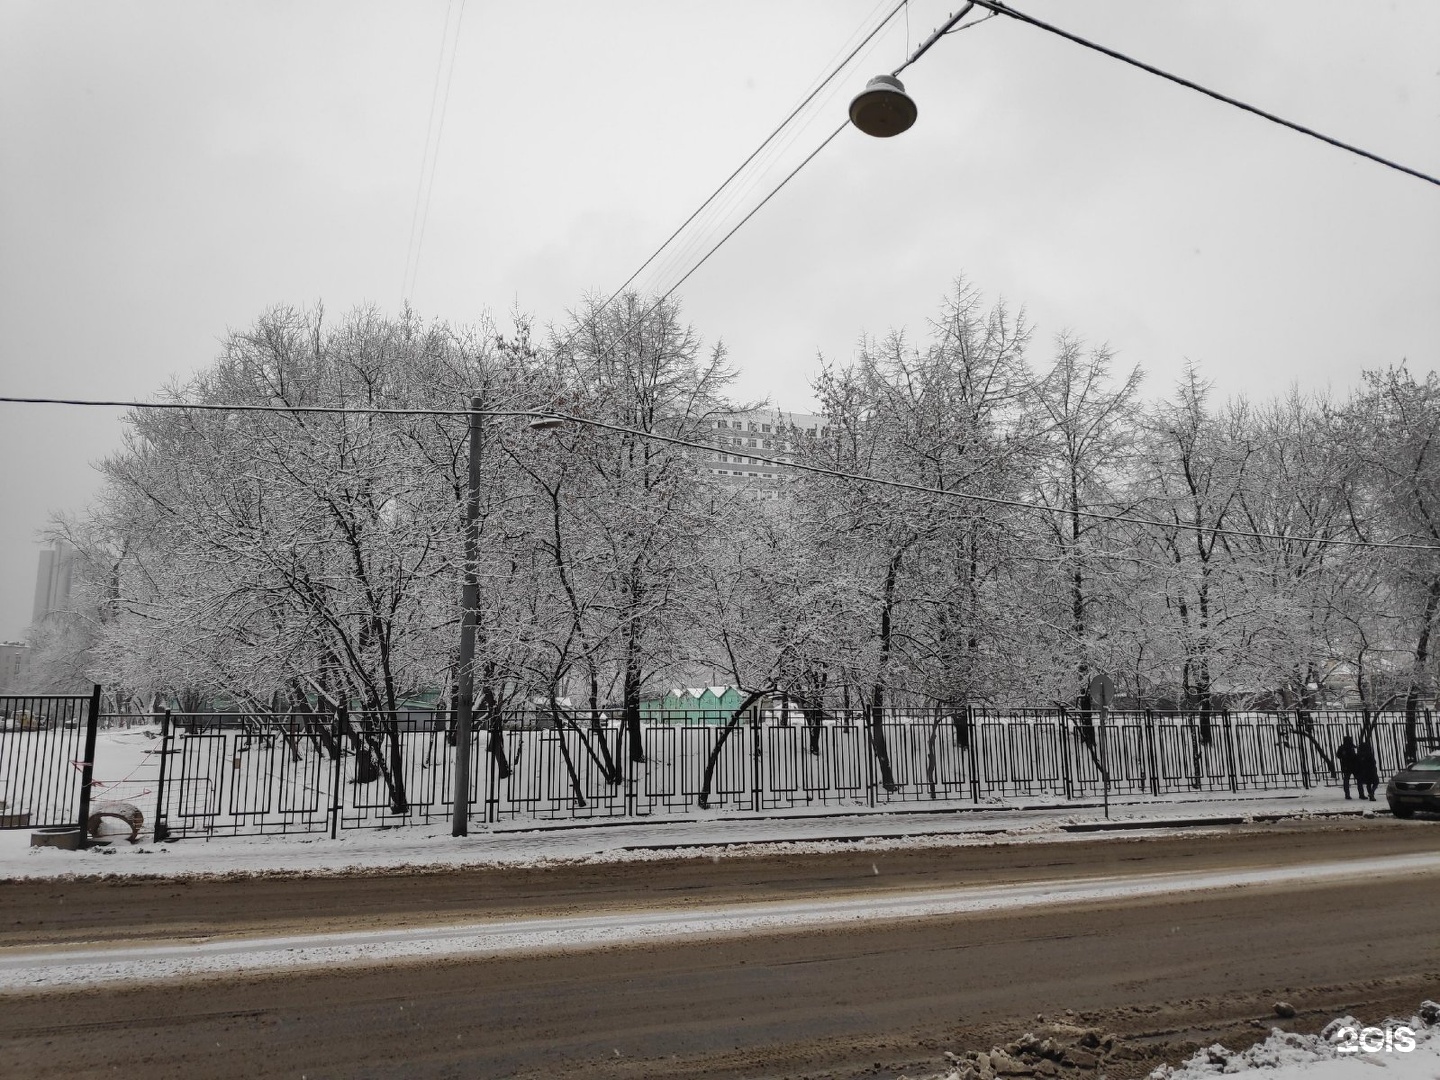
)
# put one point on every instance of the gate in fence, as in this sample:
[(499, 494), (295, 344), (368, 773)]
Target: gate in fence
[(47, 759), (326, 772)]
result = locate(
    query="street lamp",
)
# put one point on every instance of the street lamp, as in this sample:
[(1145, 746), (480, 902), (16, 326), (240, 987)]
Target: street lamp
[(883, 108), (469, 614)]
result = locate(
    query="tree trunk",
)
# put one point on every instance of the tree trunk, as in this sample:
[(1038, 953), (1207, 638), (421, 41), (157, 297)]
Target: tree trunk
[(1422, 657), (703, 799), (877, 694)]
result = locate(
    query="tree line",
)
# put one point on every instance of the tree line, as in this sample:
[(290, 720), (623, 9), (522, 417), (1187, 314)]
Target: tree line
[(1027, 520)]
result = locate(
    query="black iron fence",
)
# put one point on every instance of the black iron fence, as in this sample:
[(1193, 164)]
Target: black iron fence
[(227, 775), (47, 755)]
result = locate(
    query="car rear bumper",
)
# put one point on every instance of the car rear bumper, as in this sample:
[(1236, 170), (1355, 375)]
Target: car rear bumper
[(1403, 797)]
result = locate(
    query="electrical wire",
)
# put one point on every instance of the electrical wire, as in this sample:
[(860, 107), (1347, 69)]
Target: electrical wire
[(693, 238), (945, 28), (430, 156), (995, 500), (941, 31), (948, 27), (1003, 9), (754, 154), (358, 410), (758, 206), (864, 478), (424, 158)]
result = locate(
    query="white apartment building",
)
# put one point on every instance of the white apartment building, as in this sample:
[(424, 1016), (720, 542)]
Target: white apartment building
[(14, 666), (743, 439)]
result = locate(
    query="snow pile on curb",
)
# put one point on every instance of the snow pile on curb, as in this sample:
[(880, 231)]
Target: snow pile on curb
[(1405, 1049), (1345, 1048), (1067, 1052)]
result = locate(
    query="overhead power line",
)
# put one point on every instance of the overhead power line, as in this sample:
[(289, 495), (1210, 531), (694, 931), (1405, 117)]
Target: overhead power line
[(753, 155), (741, 223), (430, 155), (948, 27), (821, 470), (205, 406), (998, 8)]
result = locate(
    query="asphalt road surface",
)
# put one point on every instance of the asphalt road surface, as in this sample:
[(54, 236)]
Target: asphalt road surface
[(1171, 969)]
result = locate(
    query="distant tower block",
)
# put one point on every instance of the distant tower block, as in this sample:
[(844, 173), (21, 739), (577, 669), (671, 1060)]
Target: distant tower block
[(52, 582)]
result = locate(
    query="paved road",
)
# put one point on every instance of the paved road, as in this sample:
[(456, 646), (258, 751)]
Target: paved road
[(1178, 967)]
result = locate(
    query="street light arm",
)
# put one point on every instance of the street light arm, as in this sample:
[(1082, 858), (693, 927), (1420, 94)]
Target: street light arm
[(929, 42)]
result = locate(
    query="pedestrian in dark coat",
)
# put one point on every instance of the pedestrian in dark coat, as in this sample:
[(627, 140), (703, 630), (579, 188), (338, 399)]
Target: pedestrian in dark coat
[(1367, 774), (1349, 758)]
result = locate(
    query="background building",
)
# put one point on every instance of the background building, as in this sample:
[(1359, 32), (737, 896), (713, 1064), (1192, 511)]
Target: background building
[(769, 433), (52, 582), (14, 666)]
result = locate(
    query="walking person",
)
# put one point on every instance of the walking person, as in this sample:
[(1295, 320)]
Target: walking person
[(1349, 758), (1367, 773)]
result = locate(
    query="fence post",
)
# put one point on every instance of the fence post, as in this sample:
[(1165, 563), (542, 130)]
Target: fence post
[(162, 821), (1063, 726), (1230, 750), (630, 763), (1302, 748), (87, 765), (337, 777), (1104, 760), (973, 738), (869, 719), (757, 749), (1152, 757)]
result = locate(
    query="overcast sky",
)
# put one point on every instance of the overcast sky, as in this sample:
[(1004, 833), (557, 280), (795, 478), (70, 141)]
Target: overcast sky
[(170, 170)]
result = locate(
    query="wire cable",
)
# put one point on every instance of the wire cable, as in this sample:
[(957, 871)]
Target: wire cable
[(431, 156), (946, 28), (924, 47), (537, 414), (439, 141), (754, 154), (424, 158), (1002, 9), (940, 32), (356, 410), (773, 192)]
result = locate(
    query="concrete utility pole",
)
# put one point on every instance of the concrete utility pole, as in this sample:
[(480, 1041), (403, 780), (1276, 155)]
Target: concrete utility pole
[(470, 613)]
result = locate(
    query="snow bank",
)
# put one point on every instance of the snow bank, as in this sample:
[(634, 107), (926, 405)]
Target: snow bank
[(1400, 1049)]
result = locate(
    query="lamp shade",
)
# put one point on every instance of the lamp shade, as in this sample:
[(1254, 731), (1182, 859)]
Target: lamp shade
[(883, 108)]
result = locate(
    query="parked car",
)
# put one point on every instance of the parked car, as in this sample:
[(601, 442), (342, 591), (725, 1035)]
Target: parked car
[(1415, 788)]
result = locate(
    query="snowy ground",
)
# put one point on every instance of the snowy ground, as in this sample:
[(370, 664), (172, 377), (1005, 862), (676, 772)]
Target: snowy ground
[(52, 968), (123, 766), (1393, 1048), (1347, 1049)]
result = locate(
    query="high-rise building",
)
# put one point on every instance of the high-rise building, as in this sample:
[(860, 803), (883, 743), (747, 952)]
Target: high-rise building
[(52, 583), (742, 439)]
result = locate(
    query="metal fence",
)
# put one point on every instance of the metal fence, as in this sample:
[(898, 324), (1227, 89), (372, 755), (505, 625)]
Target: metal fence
[(227, 775), (47, 754)]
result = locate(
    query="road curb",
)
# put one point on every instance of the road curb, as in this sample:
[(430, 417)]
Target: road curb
[(1074, 827)]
